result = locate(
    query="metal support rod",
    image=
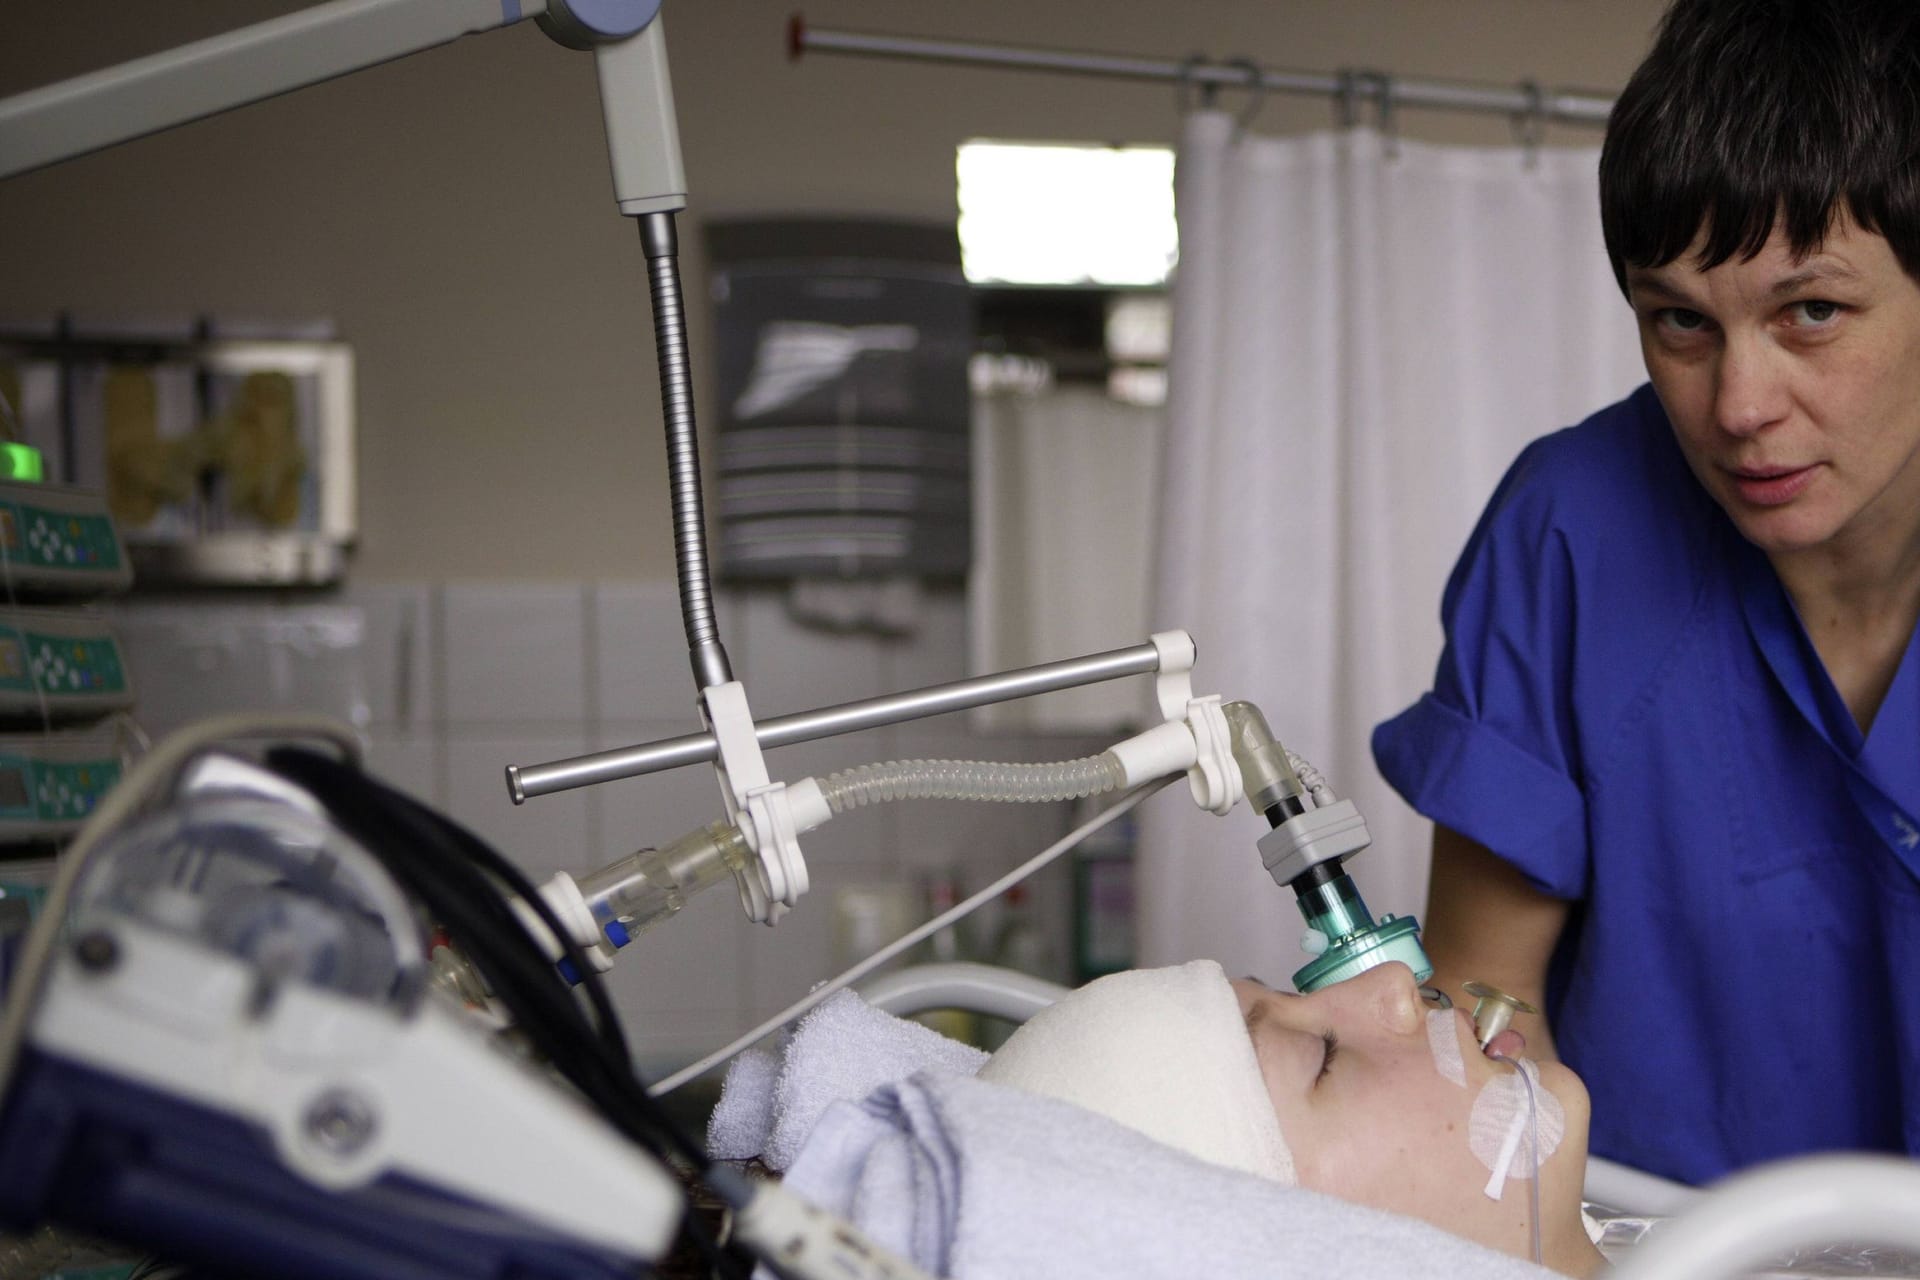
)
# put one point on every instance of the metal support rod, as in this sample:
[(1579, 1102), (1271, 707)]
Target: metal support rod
[(657, 238), (1562, 106), (848, 717), (117, 104)]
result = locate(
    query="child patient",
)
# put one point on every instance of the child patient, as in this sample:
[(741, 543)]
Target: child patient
[(1359, 1090)]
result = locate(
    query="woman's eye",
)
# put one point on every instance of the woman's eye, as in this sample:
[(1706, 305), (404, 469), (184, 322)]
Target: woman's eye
[(1815, 312), (1332, 1043), (1680, 320)]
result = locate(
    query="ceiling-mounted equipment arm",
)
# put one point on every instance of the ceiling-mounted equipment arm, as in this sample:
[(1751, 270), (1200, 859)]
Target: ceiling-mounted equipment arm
[(118, 104)]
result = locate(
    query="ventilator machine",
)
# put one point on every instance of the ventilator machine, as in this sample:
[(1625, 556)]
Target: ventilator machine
[(279, 1019)]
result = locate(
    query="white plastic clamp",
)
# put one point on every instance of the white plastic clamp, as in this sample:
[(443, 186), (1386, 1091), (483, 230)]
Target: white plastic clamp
[(565, 900), (761, 808), (1214, 779), (1195, 736), (1173, 686)]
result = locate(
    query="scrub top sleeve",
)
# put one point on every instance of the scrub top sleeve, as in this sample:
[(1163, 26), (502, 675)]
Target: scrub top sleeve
[(1491, 752), (1467, 778)]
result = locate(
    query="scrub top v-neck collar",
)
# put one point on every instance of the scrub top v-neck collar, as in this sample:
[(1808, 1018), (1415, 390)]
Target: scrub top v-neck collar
[(1883, 765)]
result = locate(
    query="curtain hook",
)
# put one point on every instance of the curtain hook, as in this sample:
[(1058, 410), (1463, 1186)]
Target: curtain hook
[(1530, 123), (1383, 105), (1346, 98), (1256, 93), (1208, 90)]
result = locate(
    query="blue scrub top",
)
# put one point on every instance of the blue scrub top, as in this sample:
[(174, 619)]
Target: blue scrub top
[(1629, 711)]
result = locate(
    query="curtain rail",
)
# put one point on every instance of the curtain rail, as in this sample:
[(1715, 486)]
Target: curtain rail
[(1526, 101)]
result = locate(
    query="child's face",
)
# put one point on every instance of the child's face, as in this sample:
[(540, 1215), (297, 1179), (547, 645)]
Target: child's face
[(1381, 1123)]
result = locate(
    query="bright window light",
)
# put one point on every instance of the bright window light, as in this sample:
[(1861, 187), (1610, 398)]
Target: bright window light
[(1054, 214)]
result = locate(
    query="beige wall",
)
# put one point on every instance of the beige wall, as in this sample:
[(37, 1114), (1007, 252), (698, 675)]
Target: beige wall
[(451, 212)]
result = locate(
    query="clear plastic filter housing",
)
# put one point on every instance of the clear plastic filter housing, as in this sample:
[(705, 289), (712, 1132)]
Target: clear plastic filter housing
[(647, 887), (1335, 908), (1355, 943)]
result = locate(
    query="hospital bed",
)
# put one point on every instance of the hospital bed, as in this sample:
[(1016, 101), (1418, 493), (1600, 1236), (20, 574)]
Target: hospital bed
[(228, 1040), (1779, 1223)]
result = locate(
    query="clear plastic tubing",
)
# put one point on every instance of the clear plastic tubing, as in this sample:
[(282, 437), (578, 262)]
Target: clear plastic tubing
[(973, 780), (641, 890), (1533, 1118), (644, 888)]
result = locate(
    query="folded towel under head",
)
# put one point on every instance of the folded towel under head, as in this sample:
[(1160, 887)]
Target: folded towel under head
[(845, 1048), (976, 1181), (1163, 1051)]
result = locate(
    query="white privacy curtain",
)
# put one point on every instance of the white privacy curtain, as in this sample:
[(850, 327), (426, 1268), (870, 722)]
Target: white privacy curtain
[(1362, 341), (1063, 546)]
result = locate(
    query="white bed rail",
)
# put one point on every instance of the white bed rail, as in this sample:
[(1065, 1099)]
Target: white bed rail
[(976, 988), (1742, 1223)]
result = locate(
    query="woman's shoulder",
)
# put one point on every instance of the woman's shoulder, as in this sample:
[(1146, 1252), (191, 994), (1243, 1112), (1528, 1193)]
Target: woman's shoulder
[(1599, 531), (1591, 562), (1614, 488)]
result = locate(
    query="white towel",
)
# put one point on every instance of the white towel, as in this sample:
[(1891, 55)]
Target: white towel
[(972, 1180), (1163, 1051), (846, 1048), (742, 1119)]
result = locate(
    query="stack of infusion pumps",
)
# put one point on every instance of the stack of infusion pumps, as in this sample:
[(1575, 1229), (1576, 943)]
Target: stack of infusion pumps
[(64, 682)]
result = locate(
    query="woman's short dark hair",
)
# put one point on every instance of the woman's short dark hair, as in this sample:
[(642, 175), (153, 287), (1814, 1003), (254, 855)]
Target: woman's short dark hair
[(1752, 113)]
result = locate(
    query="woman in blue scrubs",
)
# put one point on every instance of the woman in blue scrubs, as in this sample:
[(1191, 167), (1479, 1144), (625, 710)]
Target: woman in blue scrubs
[(1672, 750)]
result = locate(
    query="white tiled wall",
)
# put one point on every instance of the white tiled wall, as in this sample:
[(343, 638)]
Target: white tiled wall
[(454, 681)]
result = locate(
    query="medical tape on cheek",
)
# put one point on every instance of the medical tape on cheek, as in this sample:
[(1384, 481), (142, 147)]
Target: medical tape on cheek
[(1443, 1037), (1501, 1123)]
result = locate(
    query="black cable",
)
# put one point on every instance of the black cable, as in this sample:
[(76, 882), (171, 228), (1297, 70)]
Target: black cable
[(444, 865), (457, 876), (349, 787)]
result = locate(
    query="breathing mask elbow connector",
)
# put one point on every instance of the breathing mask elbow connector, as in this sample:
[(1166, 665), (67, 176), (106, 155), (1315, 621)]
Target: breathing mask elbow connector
[(1313, 833)]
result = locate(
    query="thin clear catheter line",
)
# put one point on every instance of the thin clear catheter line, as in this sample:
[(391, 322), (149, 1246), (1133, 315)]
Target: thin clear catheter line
[(1533, 1187)]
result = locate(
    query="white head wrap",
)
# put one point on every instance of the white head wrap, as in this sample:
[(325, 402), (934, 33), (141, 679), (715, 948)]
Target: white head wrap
[(1163, 1051)]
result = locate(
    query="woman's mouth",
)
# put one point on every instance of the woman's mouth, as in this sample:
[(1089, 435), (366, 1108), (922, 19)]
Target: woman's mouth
[(1770, 486)]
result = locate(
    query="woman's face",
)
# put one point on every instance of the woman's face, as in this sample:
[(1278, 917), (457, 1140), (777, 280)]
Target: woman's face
[(1793, 385), (1359, 1089)]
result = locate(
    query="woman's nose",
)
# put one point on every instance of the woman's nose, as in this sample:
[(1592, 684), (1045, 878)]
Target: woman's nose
[(1749, 392)]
